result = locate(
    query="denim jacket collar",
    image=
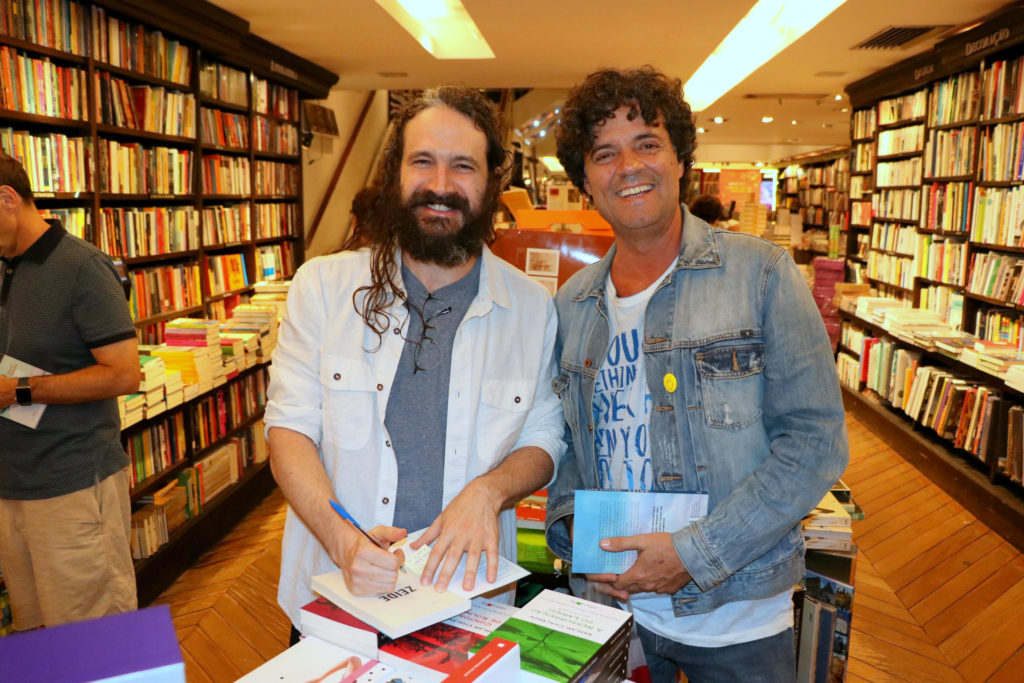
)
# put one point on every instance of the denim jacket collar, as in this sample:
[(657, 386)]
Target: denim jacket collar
[(698, 249)]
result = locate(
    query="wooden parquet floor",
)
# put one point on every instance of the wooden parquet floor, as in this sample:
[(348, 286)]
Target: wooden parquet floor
[(937, 593)]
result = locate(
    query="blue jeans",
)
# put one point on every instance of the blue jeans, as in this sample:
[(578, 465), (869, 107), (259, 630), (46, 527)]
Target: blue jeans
[(769, 660)]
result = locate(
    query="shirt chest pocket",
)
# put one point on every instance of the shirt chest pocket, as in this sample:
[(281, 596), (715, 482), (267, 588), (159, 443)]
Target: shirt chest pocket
[(731, 384), (349, 395), (504, 406)]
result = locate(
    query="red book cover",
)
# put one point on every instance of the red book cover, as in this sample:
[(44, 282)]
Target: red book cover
[(442, 648)]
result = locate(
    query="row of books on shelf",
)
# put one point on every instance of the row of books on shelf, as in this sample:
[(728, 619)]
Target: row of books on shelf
[(271, 135), (148, 231), (997, 276), (225, 174), (59, 24), (969, 414), (60, 163), (183, 498), (901, 203), (1001, 88), (55, 162), (903, 108), (865, 122), (224, 128), (226, 273), (1001, 152), (222, 82), (142, 107), (133, 168), (954, 99), (863, 156), (38, 86), (823, 608), (903, 172), (133, 46), (277, 100), (160, 289), (949, 153), (900, 140)]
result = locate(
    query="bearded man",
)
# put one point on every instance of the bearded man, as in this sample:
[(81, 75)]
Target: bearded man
[(366, 406)]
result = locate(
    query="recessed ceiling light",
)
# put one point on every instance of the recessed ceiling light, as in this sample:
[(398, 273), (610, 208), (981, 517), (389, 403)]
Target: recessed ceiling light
[(718, 119), (767, 119), (845, 109), (543, 133), (838, 97), (536, 122), (793, 122), (701, 130), (759, 164)]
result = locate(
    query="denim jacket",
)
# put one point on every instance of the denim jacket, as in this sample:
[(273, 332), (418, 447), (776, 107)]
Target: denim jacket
[(754, 418)]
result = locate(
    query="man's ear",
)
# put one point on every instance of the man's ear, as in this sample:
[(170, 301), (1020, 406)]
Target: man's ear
[(9, 199)]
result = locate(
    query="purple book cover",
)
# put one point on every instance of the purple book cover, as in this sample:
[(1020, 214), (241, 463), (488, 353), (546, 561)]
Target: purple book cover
[(110, 646)]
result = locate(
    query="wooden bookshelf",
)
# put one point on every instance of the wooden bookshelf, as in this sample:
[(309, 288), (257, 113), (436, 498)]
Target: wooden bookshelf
[(959, 209), (99, 106)]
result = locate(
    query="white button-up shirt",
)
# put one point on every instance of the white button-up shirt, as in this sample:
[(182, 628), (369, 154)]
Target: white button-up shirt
[(331, 377)]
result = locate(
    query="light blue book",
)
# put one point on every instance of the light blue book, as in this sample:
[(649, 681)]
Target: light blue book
[(604, 514)]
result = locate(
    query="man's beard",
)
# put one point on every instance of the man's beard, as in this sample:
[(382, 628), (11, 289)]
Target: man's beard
[(439, 239)]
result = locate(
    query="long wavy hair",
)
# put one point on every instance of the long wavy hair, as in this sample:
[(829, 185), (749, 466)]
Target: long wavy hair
[(378, 232), (647, 92)]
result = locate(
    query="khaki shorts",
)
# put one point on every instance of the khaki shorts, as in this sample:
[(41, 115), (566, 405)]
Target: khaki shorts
[(68, 558)]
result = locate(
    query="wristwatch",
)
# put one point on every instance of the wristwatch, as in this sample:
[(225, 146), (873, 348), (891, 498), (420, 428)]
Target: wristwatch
[(23, 392)]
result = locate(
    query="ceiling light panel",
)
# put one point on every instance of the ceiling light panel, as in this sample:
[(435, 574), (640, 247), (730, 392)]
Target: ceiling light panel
[(442, 27), (767, 29)]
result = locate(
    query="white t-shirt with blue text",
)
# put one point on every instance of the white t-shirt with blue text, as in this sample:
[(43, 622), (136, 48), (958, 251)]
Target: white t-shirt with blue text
[(622, 407)]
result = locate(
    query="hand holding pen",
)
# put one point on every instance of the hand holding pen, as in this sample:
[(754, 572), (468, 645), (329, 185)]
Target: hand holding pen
[(343, 513)]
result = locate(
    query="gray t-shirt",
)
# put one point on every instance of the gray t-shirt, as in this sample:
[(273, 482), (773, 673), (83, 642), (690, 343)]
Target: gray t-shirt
[(417, 411), (59, 300)]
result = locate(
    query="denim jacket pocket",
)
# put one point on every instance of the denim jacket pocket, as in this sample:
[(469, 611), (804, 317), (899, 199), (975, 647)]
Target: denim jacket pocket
[(348, 399), (730, 382)]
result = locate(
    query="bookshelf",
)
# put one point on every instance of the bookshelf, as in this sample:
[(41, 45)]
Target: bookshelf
[(169, 137), (817, 186), (939, 134)]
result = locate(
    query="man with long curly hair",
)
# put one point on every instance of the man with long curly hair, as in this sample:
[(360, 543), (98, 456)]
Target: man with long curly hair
[(691, 359), (412, 377)]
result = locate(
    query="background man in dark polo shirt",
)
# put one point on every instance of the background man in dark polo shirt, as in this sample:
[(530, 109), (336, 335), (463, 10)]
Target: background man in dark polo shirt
[(64, 502)]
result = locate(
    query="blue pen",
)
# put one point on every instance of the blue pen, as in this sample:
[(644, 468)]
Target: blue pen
[(343, 513)]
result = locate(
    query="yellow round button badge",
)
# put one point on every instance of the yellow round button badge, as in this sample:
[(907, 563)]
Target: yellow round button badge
[(670, 382)]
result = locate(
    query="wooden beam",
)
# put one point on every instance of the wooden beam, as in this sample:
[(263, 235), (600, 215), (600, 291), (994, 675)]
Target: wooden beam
[(338, 169)]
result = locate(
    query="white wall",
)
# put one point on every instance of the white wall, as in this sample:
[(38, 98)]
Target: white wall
[(321, 158)]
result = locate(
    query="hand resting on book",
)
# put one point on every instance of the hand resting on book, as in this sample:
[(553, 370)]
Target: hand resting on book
[(468, 525)]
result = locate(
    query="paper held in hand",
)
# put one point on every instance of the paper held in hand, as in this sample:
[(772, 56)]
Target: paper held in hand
[(410, 606), (24, 415), (606, 514)]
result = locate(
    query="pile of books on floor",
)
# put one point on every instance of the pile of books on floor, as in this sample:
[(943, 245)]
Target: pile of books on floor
[(420, 635), (828, 526)]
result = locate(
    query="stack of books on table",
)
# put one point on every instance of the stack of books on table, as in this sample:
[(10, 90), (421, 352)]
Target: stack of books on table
[(430, 636), (199, 334), (232, 352), (828, 527)]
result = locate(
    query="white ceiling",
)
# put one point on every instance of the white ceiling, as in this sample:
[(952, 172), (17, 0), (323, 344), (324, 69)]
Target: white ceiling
[(552, 44)]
